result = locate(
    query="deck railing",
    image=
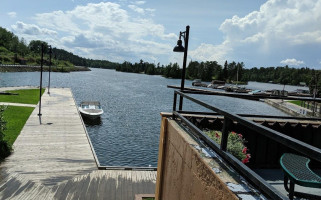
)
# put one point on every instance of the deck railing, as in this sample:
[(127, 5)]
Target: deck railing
[(250, 175)]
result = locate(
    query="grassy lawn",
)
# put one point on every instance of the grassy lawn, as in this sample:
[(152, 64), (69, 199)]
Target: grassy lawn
[(296, 102), (16, 117), (28, 96)]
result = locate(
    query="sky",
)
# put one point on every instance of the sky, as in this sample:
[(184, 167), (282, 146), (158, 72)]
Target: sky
[(259, 33)]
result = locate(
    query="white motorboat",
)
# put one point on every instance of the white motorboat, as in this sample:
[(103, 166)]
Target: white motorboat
[(90, 109)]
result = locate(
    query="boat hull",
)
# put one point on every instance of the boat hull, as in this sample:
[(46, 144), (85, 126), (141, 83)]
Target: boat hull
[(90, 114)]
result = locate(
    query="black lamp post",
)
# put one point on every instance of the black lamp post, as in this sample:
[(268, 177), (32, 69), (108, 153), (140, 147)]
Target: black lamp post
[(50, 52), (179, 48), (40, 89)]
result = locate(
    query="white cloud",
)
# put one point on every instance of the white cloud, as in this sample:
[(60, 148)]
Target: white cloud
[(107, 31), (292, 62), (278, 29), (151, 10), (140, 2), (136, 9), (12, 14), (31, 29), (208, 52)]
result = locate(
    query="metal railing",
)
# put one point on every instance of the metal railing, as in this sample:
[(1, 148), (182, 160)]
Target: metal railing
[(250, 175), (255, 97)]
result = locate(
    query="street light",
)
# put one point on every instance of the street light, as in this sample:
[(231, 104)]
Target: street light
[(42, 50), (180, 48), (50, 52)]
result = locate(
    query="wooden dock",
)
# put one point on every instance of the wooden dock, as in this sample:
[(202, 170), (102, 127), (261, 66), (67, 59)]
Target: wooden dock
[(53, 159)]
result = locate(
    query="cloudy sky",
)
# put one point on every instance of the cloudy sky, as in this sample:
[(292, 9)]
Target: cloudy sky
[(256, 32)]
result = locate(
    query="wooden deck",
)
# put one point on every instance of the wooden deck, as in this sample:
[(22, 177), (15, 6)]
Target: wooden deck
[(53, 159)]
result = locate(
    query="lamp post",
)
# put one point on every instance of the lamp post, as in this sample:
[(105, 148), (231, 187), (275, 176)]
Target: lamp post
[(40, 89), (50, 52), (179, 48)]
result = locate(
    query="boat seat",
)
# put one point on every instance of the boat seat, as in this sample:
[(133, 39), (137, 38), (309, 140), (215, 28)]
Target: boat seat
[(296, 170)]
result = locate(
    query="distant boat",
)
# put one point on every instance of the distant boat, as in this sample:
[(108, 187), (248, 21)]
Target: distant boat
[(257, 92), (215, 84), (237, 89), (198, 82), (90, 109)]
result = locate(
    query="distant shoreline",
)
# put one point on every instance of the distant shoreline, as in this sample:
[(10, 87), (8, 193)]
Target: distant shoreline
[(27, 68)]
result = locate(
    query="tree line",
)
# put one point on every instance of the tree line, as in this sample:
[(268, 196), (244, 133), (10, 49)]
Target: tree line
[(230, 72), (206, 71), (14, 50), (168, 71)]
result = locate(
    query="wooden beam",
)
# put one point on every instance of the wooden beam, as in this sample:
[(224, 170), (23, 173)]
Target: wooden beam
[(161, 156)]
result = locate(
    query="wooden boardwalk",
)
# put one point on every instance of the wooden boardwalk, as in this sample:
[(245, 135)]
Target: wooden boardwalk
[(53, 159)]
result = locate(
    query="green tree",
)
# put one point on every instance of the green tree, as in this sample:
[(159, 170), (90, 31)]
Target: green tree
[(192, 70), (35, 46), (225, 72), (175, 71)]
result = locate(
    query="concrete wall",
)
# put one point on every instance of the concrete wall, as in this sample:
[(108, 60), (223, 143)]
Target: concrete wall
[(182, 172)]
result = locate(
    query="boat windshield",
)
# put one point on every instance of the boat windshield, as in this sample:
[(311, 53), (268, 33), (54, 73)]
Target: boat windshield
[(86, 106), (92, 107)]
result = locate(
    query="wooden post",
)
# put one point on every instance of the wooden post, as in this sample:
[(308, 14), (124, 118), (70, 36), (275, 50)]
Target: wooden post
[(161, 158)]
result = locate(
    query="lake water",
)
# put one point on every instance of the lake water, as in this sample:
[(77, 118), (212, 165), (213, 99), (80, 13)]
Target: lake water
[(129, 130)]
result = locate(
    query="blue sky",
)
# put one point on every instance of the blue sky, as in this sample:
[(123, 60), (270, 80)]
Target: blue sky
[(258, 33)]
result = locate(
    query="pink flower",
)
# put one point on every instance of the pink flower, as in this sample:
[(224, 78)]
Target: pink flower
[(240, 135), (245, 160), (248, 156), (217, 135), (233, 132), (244, 150)]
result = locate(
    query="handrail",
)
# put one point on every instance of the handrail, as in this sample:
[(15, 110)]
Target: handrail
[(265, 187), (256, 97), (254, 116)]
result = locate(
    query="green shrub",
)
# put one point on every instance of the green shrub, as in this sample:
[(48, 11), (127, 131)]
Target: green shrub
[(31, 60), (3, 50), (6, 59), (235, 144), (5, 148)]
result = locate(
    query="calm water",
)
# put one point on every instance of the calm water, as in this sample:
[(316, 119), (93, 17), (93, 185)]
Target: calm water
[(129, 129)]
